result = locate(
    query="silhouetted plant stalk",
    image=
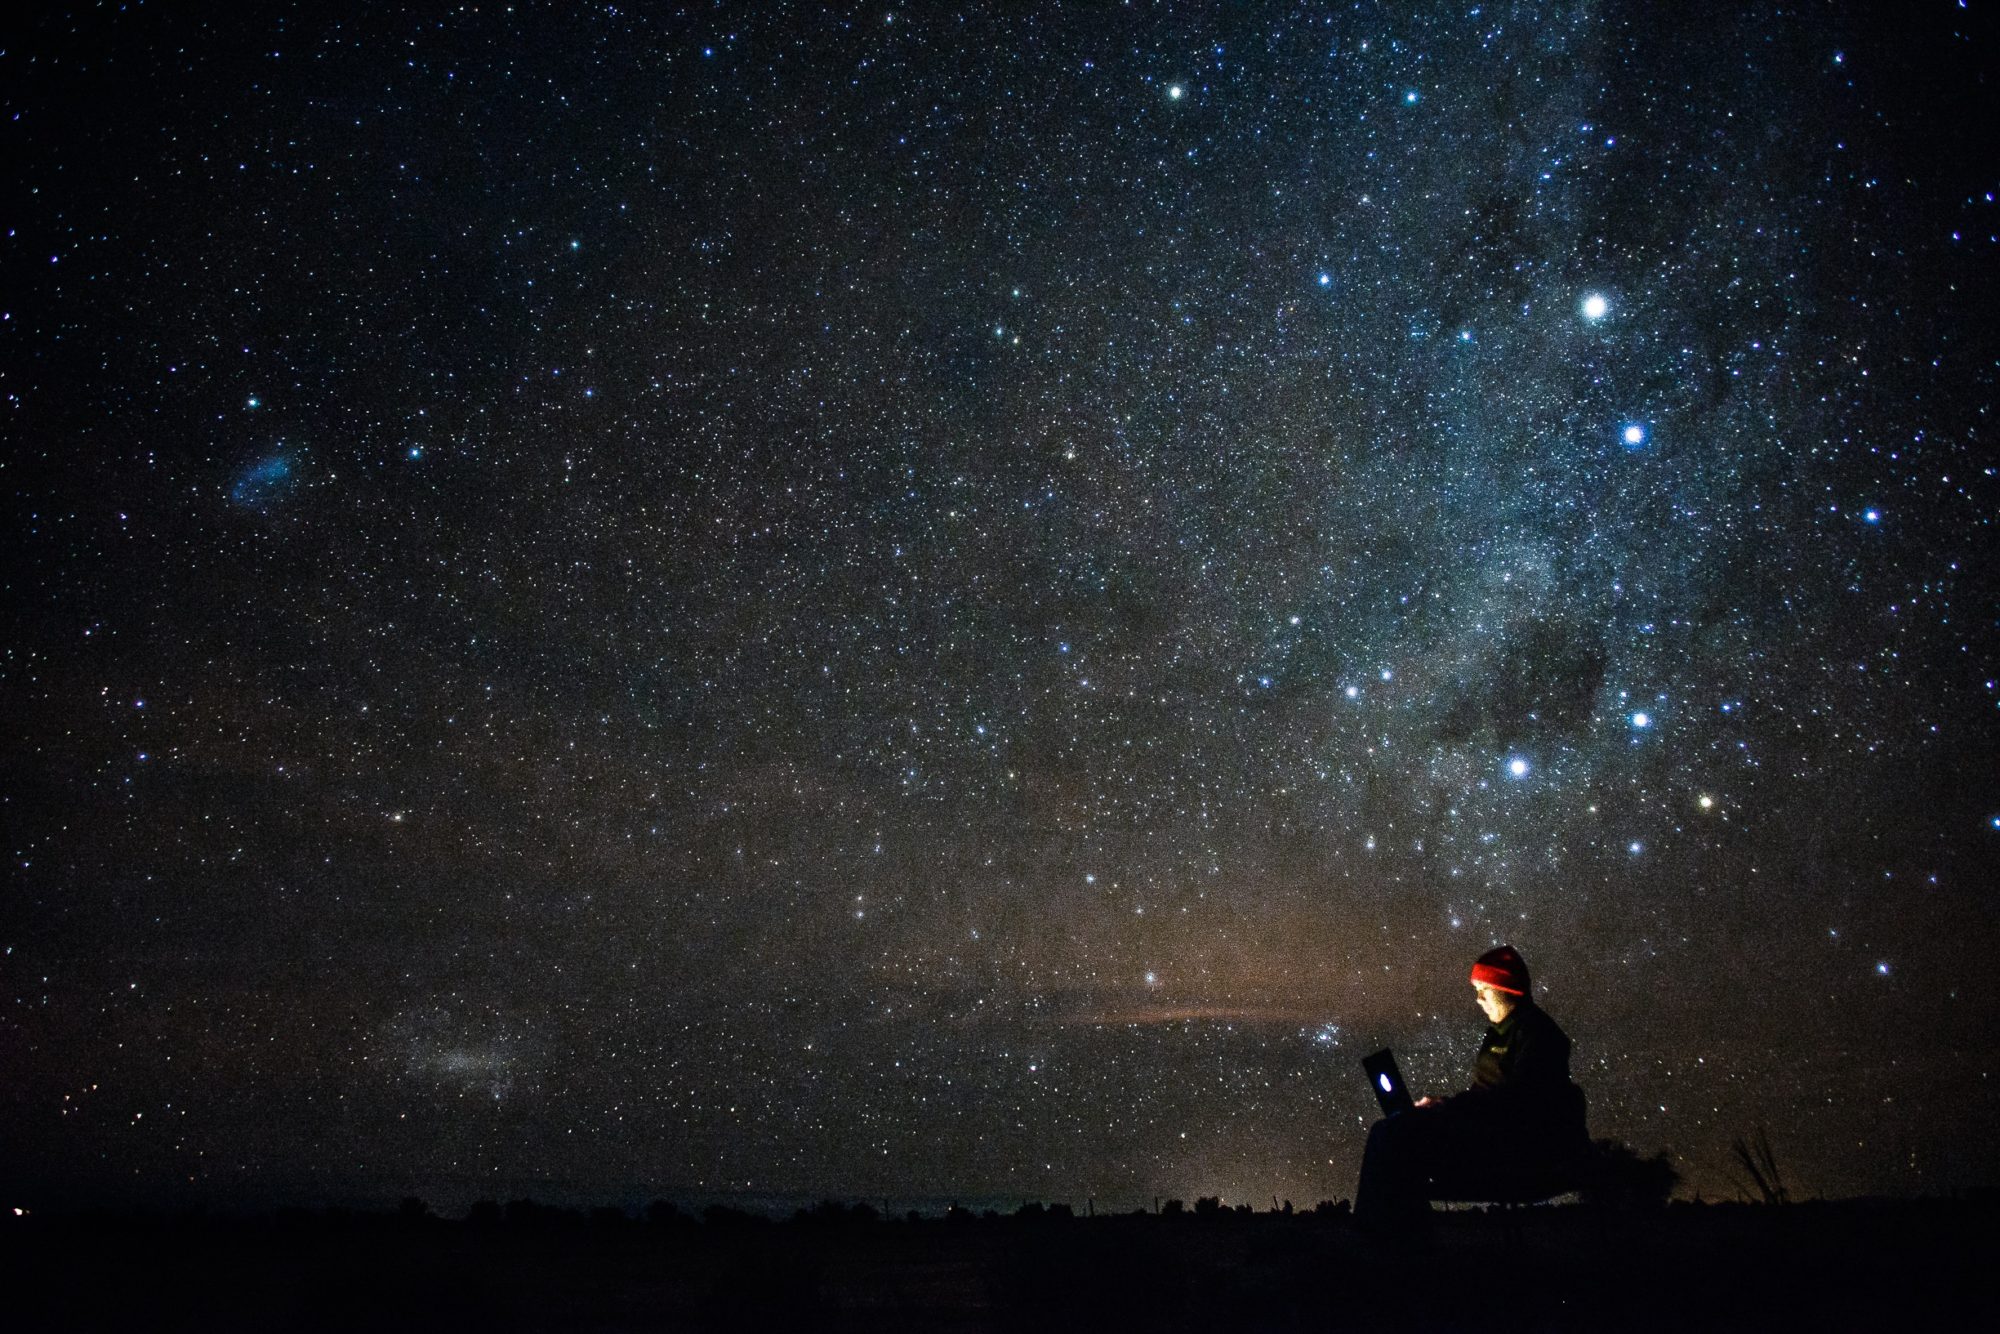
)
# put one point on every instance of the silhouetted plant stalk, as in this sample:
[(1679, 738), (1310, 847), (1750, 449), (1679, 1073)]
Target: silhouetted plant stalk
[(1754, 1155)]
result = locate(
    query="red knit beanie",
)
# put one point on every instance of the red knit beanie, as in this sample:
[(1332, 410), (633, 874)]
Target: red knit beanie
[(1503, 969)]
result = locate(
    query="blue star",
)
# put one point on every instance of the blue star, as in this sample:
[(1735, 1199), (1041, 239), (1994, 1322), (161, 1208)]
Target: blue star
[(1633, 435)]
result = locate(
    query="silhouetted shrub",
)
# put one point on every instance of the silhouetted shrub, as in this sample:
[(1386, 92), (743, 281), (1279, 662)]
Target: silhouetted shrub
[(532, 1213), (483, 1213), (722, 1216), (660, 1213), (832, 1213), (1173, 1209), (1208, 1206), (1616, 1177)]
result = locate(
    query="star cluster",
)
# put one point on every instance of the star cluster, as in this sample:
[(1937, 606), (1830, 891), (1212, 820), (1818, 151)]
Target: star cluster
[(979, 600)]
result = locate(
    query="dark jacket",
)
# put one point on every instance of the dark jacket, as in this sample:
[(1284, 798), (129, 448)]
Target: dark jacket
[(1520, 1079)]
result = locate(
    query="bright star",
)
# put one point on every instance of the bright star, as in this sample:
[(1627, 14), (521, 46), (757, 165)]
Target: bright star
[(1595, 307), (1410, 98), (1326, 280), (1518, 766), (1634, 435), (1635, 847), (1641, 721), (1175, 92), (1872, 516), (1706, 802)]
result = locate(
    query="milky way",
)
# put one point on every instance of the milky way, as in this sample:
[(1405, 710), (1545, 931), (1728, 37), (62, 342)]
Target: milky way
[(976, 601)]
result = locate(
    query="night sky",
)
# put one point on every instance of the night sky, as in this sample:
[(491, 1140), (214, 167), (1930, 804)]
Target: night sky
[(975, 601)]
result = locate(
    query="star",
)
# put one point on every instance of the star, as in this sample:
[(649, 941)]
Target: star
[(1595, 306)]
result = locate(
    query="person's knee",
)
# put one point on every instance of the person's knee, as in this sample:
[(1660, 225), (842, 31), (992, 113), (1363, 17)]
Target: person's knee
[(1383, 1133)]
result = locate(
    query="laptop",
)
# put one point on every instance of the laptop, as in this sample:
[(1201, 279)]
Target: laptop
[(1387, 1081)]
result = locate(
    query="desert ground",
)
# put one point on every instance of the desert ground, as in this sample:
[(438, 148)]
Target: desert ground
[(1813, 1265)]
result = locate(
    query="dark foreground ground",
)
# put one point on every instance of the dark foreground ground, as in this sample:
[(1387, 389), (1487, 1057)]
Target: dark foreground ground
[(1824, 1266)]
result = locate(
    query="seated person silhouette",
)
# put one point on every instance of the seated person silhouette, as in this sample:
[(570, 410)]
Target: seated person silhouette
[(1514, 1135)]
